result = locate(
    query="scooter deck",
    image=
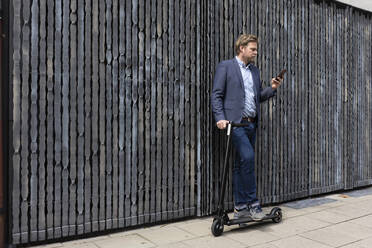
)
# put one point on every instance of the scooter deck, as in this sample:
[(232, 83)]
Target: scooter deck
[(231, 222), (219, 221)]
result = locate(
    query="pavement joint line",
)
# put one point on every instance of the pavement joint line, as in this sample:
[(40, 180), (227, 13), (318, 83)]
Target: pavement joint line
[(317, 241), (184, 230), (334, 224), (352, 242), (146, 239)]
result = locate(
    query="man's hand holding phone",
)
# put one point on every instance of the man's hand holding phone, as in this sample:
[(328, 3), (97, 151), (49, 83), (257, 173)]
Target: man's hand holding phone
[(275, 82)]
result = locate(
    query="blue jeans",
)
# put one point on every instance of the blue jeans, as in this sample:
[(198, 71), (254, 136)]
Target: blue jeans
[(244, 179)]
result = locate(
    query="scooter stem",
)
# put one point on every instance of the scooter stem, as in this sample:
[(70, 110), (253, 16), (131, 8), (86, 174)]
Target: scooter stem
[(220, 209)]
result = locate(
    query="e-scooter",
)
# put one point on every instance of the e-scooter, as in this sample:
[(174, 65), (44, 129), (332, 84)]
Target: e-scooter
[(221, 218)]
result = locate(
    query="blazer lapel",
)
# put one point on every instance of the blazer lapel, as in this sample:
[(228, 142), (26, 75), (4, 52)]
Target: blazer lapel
[(238, 72)]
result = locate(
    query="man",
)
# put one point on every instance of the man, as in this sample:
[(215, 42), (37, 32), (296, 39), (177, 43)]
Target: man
[(236, 97)]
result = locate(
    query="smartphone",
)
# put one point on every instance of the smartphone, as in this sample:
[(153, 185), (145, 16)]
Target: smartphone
[(281, 74)]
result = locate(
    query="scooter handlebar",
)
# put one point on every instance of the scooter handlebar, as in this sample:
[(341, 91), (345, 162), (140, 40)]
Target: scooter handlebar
[(232, 124), (238, 124)]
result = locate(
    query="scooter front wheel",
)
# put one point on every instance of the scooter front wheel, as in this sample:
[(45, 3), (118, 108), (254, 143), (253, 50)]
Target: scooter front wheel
[(278, 216), (217, 227)]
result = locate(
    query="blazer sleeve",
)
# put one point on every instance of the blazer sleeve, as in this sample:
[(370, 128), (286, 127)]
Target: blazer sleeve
[(218, 92), (266, 93)]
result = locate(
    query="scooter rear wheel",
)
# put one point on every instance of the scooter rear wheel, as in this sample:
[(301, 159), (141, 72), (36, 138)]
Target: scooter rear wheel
[(217, 227)]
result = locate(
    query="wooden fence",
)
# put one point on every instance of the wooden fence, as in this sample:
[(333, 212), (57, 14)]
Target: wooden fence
[(111, 123)]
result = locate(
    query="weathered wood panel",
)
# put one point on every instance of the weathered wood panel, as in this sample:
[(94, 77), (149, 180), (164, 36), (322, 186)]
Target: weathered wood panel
[(111, 116)]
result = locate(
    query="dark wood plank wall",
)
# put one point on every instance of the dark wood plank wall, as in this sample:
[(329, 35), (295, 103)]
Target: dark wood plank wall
[(111, 118)]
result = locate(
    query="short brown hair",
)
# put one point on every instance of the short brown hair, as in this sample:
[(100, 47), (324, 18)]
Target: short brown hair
[(243, 40)]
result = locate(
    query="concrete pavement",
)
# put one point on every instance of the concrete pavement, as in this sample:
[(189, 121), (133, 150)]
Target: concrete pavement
[(334, 220)]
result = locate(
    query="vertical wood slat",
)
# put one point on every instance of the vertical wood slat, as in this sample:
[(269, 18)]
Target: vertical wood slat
[(357, 140), (193, 105), (34, 122), (95, 116), (109, 115), (165, 81), (148, 127), (187, 117), (305, 78), (57, 106), (25, 31), (65, 117), (362, 99), (348, 169), (16, 125), (309, 123), (42, 127), (120, 130), (115, 112), (128, 113), (122, 81), (181, 106), (368, 69), (159, 102), (141, 111), (102, 115), (88, 118), (272, 110), (338, 117), (73, 119), (199, 158), (170, 117), (353, 114), (134, 205), (202, 178), (176, 99), (80, 116), (153, 113), (207, 172)]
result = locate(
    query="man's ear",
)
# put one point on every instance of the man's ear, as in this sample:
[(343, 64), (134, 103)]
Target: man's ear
[(241, 48)]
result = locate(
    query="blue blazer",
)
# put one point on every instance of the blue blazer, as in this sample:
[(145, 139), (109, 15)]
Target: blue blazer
[(228, 93)]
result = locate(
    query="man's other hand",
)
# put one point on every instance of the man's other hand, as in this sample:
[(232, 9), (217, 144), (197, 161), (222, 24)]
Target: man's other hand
[(222, 124), (275, 82)]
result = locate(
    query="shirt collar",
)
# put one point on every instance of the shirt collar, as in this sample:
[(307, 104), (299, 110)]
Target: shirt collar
[(241, 63)]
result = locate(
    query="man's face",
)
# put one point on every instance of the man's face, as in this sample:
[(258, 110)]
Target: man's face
[(249, 52)]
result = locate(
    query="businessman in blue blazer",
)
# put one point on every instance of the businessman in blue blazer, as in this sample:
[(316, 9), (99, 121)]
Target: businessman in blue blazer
[(236, 96)]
